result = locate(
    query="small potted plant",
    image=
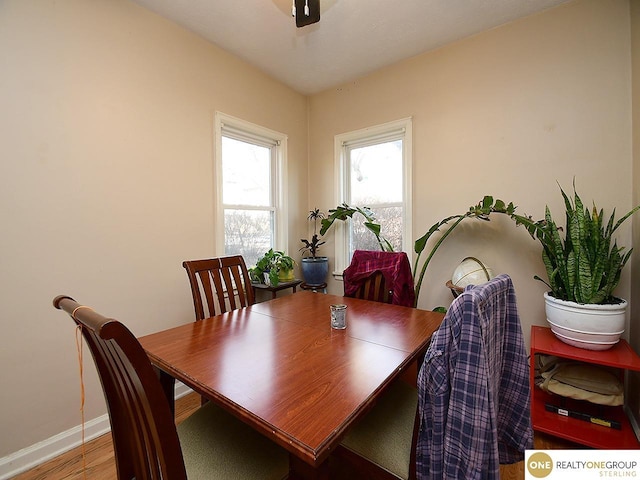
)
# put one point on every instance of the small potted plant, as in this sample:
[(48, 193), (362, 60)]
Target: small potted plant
[(583, 269), (314, 268), (272, 268)]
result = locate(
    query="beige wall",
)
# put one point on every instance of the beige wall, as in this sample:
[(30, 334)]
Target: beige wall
[(106, 168), (508, 113), (106, 184)]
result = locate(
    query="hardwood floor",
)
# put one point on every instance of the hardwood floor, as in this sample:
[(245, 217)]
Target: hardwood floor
[(98, 454), (100, 462), (540, 442)]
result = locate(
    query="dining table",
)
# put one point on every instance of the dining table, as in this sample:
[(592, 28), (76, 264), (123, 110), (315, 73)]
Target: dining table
[(281, 368)]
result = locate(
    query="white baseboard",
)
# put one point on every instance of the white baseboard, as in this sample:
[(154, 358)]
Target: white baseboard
[(32, 456)]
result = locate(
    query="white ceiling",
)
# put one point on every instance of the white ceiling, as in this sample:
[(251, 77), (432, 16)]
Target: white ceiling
[(352, 39)]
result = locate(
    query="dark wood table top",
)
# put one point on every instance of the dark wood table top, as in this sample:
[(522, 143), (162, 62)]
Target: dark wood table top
[(280, 367)]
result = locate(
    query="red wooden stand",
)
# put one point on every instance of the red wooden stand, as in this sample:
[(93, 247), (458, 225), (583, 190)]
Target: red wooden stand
[(621, 356)]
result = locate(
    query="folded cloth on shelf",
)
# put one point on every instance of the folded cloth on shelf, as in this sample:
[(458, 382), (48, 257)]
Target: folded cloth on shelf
[(580, 381)]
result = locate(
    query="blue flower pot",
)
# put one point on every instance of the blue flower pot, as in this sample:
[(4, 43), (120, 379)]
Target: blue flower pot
[(315, 270)]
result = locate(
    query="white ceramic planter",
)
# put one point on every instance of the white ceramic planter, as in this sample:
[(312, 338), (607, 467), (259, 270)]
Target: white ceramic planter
[(593, 327)]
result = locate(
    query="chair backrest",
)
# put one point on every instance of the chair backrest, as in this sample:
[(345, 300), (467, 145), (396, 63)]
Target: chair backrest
[(219, 284), (145, 439), (374, 288), (380, 276)]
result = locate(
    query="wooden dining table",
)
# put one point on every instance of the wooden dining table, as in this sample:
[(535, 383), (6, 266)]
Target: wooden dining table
[(282, 369)]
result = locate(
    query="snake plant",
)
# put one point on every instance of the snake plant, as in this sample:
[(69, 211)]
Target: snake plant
[(584, 266)]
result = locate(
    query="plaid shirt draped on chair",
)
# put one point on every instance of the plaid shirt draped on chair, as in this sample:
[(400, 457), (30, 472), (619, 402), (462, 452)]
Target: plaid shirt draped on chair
[(474, 394)]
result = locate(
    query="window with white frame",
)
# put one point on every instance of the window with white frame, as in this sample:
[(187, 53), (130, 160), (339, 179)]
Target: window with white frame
[(250, 171), (374, 170)]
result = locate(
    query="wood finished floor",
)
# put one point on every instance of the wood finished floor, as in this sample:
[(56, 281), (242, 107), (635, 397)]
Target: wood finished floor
[(100, 462), (99, 457)]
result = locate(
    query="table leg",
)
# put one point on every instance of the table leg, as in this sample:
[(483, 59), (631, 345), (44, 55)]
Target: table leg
[(168, 387), (299, 470)]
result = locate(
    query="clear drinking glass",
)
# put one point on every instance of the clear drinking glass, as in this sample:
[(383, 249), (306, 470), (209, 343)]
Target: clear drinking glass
[(339, 316)]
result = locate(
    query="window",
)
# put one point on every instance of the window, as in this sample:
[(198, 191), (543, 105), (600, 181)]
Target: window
[(250, 168), (374, 166)]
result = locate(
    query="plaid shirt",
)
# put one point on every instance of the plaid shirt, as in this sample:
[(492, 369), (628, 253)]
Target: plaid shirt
[(474, 394), (395, 268)]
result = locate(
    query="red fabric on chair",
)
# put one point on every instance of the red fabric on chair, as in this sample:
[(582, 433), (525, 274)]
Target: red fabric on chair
[(395, 268)]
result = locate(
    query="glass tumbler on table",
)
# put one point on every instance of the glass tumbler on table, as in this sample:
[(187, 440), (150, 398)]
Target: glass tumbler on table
[(339, 317)]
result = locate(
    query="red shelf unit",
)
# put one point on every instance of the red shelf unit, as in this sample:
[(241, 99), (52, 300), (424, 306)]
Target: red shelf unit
[(621, 356)]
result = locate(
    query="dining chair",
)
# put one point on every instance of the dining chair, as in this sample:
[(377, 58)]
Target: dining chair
[(381, 446), (403, 435), (219, 285), (380, 276), (474, 401), (374, 288), (209, 444)]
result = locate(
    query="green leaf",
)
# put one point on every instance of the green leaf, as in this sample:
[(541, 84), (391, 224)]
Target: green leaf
[(273, 277), (421, 243), (499, 207), (374, 227), (487, 203)]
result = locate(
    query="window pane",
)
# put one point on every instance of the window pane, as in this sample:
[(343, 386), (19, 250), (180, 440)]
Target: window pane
[(374, 165), (390, 220), (376, 173), (248, 233), (246, 173), (376, 178)]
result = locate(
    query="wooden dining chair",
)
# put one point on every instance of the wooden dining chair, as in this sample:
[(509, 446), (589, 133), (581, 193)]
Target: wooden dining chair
[(380, 276), (382, 445), (374, 288), (209, 444), (219, 285)]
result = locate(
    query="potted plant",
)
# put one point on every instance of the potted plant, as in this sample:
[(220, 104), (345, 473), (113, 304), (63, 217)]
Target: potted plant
[(272, 268), (583, 268), (314, 268)]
